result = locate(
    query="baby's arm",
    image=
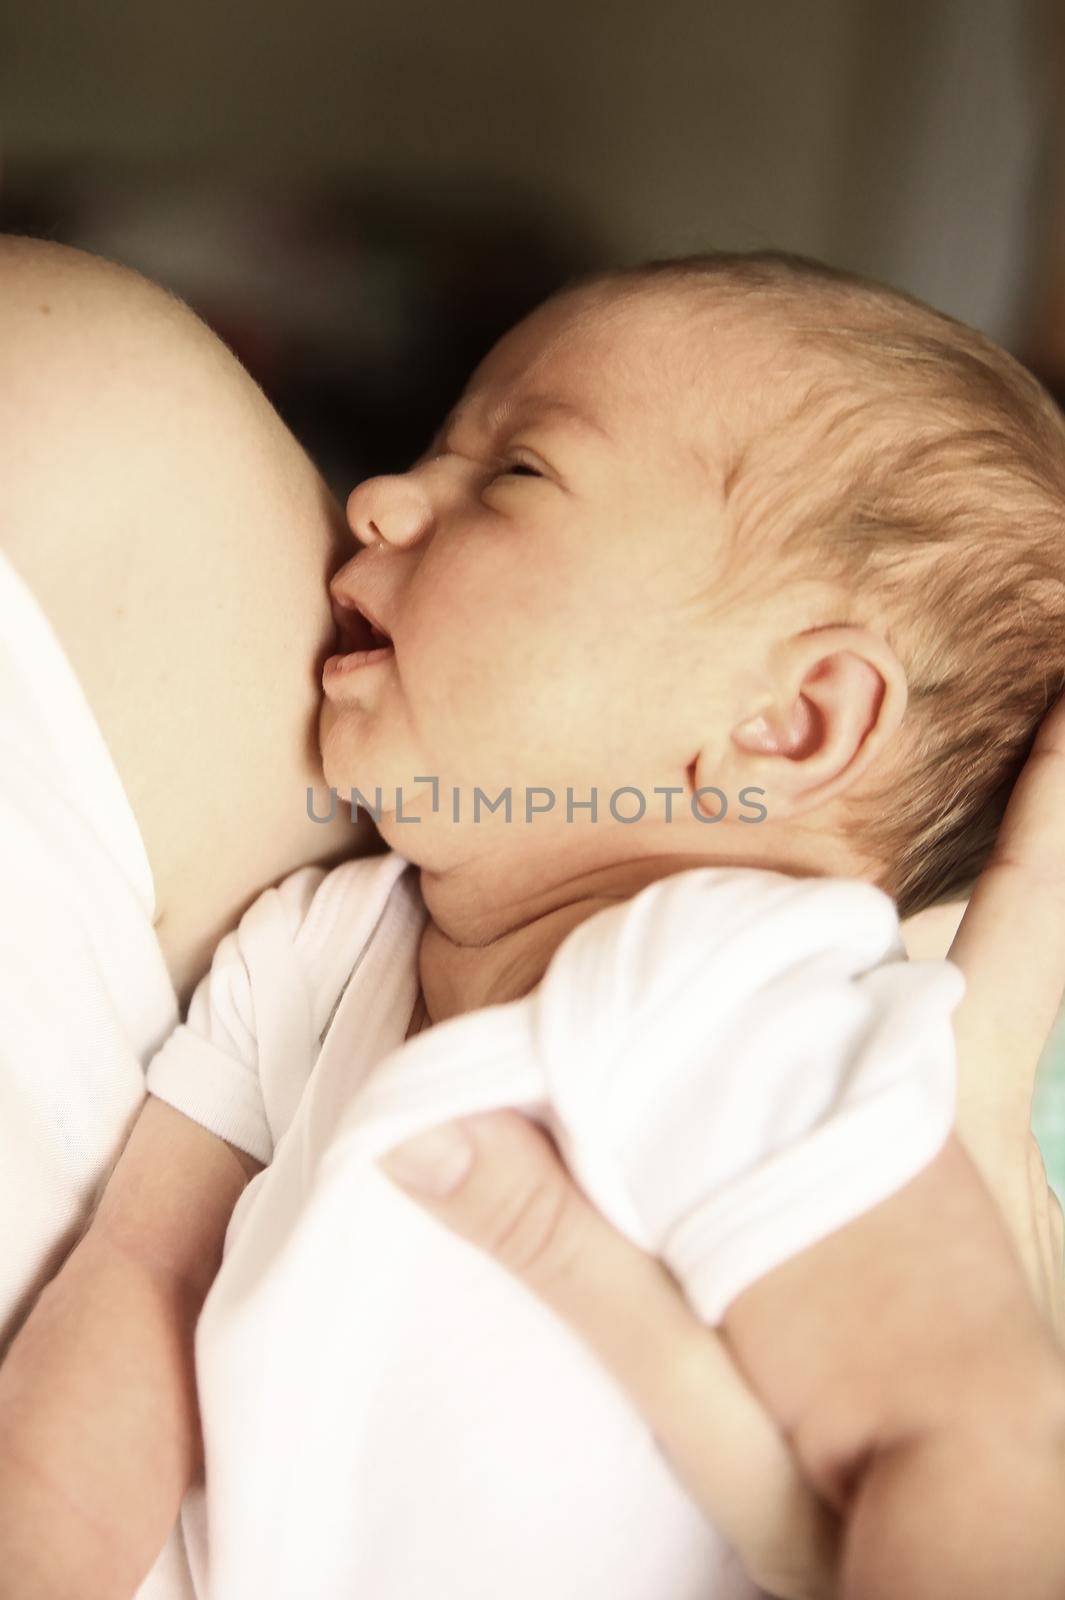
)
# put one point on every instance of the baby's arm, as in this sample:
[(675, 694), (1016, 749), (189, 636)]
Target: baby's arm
[(99, 1429), (921, 1392)]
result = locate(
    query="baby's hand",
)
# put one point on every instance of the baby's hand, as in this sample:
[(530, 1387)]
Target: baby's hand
[(99, 1429)]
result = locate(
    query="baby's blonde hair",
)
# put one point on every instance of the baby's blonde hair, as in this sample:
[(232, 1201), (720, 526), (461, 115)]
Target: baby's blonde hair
[(928, 481)]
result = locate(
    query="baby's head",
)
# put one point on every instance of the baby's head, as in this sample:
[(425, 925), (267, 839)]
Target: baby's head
[(682, 498)]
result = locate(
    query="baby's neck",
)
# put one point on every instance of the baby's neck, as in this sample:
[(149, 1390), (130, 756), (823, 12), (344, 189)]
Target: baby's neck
[(497, 916), (456, 977), (480, 950)]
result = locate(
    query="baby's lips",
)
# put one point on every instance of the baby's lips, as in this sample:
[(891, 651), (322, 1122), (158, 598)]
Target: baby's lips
[(358, 621), (354, 630)]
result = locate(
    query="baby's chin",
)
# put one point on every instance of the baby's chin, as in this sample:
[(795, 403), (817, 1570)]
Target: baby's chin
[(342, 743), (327, 721), (351, 763)]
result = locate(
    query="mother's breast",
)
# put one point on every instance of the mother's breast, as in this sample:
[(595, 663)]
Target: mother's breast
[(179, 541)]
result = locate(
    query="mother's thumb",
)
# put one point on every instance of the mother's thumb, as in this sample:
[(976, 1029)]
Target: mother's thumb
[(496, 1180)]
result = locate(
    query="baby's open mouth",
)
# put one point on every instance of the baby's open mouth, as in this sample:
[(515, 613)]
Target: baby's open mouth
[(360, 640), (356, 630)]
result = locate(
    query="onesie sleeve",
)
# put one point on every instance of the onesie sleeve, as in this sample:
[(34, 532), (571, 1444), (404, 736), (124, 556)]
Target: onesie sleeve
[(740, 1063), (254, 1001)]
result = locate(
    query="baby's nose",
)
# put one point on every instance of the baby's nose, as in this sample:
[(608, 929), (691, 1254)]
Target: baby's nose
[(389, 510)]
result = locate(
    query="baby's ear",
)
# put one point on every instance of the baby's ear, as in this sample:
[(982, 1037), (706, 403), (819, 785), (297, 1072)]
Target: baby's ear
[(841, 695), (770, 734)]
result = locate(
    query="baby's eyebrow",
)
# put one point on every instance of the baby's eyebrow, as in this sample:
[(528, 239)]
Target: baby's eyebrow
[(531, 408)]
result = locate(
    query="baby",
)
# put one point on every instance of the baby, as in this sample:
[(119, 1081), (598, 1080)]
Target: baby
[(704, 642)]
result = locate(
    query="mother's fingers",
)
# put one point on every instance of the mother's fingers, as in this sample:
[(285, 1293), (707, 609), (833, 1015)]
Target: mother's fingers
[(1011, 947), (497, 1180), (1011, 944)]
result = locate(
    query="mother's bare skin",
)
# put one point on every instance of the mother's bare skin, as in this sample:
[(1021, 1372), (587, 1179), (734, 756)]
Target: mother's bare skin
[(179, 541)]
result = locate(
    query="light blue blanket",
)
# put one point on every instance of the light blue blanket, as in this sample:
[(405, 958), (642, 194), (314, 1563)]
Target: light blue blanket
[(1048, 1115)]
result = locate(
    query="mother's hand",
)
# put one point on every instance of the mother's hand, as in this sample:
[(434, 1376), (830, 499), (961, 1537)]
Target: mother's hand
[(497, 1180), (1011, 947)]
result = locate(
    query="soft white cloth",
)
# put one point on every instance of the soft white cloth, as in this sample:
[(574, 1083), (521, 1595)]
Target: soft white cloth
[(85, 996), (734, 1063)]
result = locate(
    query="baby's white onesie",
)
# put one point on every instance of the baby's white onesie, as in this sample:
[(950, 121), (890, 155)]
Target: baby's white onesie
[(734, 1063)]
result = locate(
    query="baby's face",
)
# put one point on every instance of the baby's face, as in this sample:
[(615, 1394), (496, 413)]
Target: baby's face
[(537, 571)]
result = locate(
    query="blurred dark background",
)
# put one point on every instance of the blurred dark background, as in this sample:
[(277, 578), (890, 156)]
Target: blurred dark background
[(360, 197)]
